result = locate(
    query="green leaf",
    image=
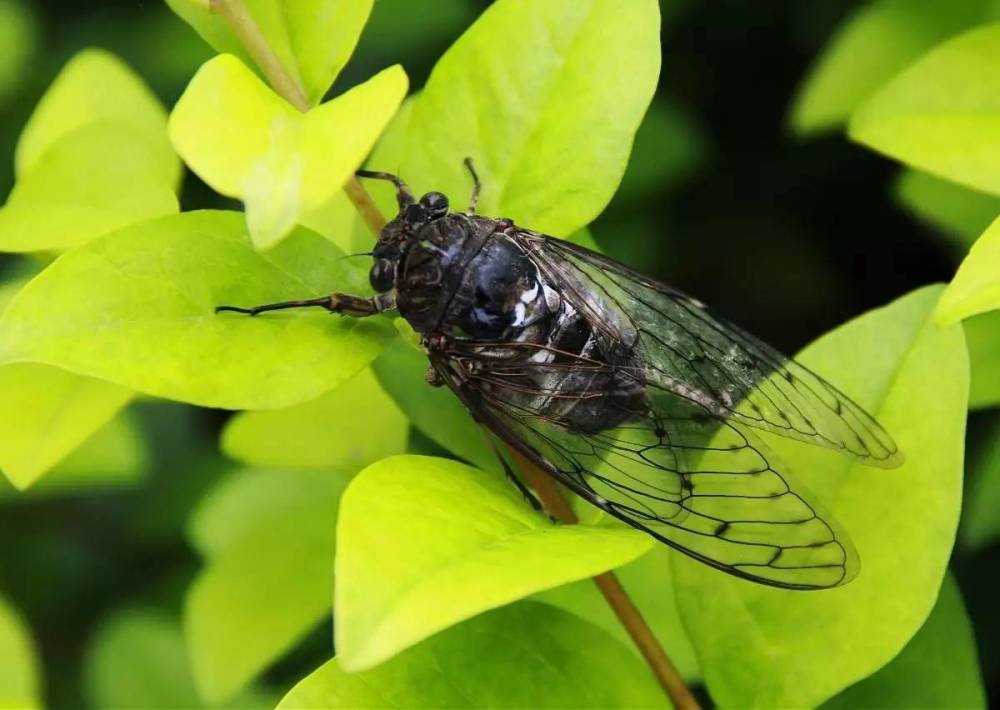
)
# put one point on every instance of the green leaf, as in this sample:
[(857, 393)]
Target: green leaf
[(939, 668), (959, 213), (650, 584), (247, 142), (268, 536), (136, 307), (549, 125), (116, 455), (981, 523), (942, 114), (313, 39), (46, 413), (975, 288), (669, 145), (799, 649), (97, 88), (346, 429), (137, 659), (424, 543), (435, 411), (19, 37), (524, 655), (872, 46), (94, 180), (19, 682), (982, 336)]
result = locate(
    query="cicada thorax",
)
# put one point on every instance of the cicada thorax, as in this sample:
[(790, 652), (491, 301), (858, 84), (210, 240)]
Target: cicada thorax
[(468, 281)]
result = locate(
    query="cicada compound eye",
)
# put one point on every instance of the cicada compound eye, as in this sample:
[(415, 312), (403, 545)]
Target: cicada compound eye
[(382, 277), (435, 204)]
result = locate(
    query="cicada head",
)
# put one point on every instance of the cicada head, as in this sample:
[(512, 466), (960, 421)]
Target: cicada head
[(398, 235)]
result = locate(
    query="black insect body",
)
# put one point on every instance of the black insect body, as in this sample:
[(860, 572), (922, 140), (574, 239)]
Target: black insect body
[(628, 392)]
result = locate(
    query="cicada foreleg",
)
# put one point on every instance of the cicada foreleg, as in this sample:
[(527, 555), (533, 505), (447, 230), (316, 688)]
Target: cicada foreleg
[(342, 303)]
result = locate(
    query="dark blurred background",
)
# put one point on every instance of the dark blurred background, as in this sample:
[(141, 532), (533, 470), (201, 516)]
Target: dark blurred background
[(787, 237)]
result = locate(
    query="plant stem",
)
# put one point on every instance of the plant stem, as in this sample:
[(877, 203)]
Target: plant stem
[(248, 32), (615, 595)]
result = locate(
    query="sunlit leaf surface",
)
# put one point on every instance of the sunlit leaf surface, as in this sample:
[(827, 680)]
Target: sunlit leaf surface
[(939, 668), (799, 649), (424, 543), (942, 113), (136, 307), (313, 39), (247, 142), (976, 287)]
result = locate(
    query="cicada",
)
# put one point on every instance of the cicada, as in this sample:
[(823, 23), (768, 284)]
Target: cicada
[(629, 393)]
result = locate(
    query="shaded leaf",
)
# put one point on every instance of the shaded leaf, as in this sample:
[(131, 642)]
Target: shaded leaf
[(136, 307), (97, 88), (19, 682), (873, 45), (524, 655), (268, 536), (247, 142), (424, 543), (981, 523), (313, 39), (137, 659), (958, 212), (800, 649), (939, 668), (951, 94), (982, 336), (435, 411), (649, 582), (346, 429), (19, 38)]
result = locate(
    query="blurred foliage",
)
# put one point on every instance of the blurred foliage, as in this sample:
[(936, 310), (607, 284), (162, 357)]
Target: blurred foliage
[(141, 568)]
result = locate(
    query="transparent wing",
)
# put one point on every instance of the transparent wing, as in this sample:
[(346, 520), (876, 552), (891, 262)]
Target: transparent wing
[(685, 349), (695, 481)]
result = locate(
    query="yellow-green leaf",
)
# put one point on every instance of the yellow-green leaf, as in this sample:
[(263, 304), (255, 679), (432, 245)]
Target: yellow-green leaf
[(976, 287), (875, 43), (313, 39), (346, 429), (798, 649), (137, 307), (424, 543), (247, 142), (942, 114), (549, 124), (527, 655), (93, 180), (19, 682), (269, 536), (95, 87)]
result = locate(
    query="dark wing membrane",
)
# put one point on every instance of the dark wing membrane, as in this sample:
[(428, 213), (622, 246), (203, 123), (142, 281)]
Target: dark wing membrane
[(687, 350), (674, 469)]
